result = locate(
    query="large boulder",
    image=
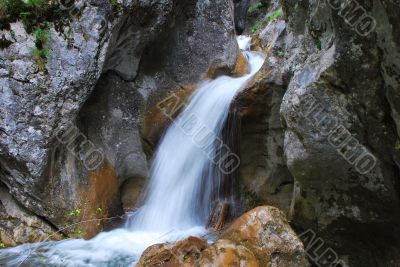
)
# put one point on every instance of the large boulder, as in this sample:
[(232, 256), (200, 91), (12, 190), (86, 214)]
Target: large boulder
[(266, 232), (261, 237), (185, 253)]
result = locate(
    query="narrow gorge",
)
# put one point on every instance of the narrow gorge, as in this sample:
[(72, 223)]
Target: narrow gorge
[(199, 133)]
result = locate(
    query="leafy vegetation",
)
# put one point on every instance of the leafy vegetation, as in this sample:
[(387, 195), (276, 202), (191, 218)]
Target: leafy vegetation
[(114, 2), (79, 232), (100, 211), (117, 6), (2, 245), (257, 26), (271, 17), (255, 7), (41, 53), (33, 13), (275, 15), (280, 54), (75, 212)]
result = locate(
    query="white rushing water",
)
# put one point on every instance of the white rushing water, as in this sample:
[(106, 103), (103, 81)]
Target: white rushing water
[(180, 190)]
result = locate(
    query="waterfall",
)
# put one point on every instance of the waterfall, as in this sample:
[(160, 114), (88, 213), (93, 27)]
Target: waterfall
[(186, 176), (183, 175)]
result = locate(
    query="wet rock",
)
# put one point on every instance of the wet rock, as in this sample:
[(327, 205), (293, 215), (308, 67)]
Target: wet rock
[(19, 226), (266, 233), (225, 253), (184, 253), (242, 66), (261, 237)]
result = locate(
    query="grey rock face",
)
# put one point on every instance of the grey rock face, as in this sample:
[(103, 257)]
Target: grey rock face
[(241, 7), (263, 173), (34, 104), (18, 225), (342, 82)]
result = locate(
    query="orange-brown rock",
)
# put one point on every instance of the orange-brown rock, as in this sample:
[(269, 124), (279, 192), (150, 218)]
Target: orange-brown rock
[(158, 118), (186, 253), (225, 253), (261, 237), (98, 202), (266, 232), (241, 67)]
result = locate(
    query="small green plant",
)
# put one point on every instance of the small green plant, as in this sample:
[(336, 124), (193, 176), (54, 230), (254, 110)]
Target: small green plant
[(114, 2), (100, 211), (317, 42), (42, 35), (75, 212), (79, 232), (70, 37), (397, 145), (255, 7), (2, 245), (257, 26), (281, 54), (117, 6), (275, 15), (41, 53), (41, 56)]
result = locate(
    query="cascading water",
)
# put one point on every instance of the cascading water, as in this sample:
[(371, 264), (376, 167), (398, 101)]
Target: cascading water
[(183, 183)]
